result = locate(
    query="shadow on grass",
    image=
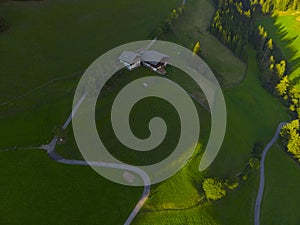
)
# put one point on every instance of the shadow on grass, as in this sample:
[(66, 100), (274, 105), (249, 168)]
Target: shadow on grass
[(285, 44)]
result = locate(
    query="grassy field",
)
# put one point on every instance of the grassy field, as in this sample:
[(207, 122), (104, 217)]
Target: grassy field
[(40, 47), (253, 115), (54, 41), (284, 28), (198, 215), (186, 185), (36, 190), (282, 189), (242, 133), (50, 46), (238, 207)]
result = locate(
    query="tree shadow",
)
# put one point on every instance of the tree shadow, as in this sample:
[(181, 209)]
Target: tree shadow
[(285, 42)]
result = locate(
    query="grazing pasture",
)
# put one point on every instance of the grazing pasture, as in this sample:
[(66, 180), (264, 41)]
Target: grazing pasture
[(44, 53)]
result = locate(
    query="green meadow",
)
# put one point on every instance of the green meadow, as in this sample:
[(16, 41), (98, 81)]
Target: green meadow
[(284, 28), (282, 187), (36, 190), (255, 126), (43, 55)]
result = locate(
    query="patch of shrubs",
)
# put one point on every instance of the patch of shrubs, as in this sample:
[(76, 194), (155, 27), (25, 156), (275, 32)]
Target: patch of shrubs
[(216, 189)]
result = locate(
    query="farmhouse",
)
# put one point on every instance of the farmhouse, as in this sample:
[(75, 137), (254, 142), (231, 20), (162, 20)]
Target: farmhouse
[(130, 59), (156, 61)]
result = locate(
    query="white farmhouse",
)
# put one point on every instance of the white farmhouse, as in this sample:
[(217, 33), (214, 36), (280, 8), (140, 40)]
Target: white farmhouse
[(130, 59)]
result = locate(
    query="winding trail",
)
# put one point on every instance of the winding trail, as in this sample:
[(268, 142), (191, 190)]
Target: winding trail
[(262, 175)]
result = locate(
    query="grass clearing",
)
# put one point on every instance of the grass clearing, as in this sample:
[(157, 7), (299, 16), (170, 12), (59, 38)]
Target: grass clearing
[(36, 190), (284, 28)]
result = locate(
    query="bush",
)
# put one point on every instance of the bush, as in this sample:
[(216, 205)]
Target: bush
[(257, 150), (254, 163), (214, 189), (3, 24)]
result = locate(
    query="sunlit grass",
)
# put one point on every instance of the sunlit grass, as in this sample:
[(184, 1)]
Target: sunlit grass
[(284, 28)]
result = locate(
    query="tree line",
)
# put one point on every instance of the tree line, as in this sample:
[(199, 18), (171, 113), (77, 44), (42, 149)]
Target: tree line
[(269, 6), (233, 25), (275, 71)]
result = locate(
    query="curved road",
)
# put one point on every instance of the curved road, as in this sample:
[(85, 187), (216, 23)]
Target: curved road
[(56, 157), (262, 175), (50, 148)]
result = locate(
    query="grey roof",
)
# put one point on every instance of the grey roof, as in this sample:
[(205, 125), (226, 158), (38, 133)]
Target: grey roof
[(129, 57), (154, 57)]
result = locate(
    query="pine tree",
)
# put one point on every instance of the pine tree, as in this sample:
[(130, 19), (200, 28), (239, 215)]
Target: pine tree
[(281, 68), (270, 44), (282, 87)]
